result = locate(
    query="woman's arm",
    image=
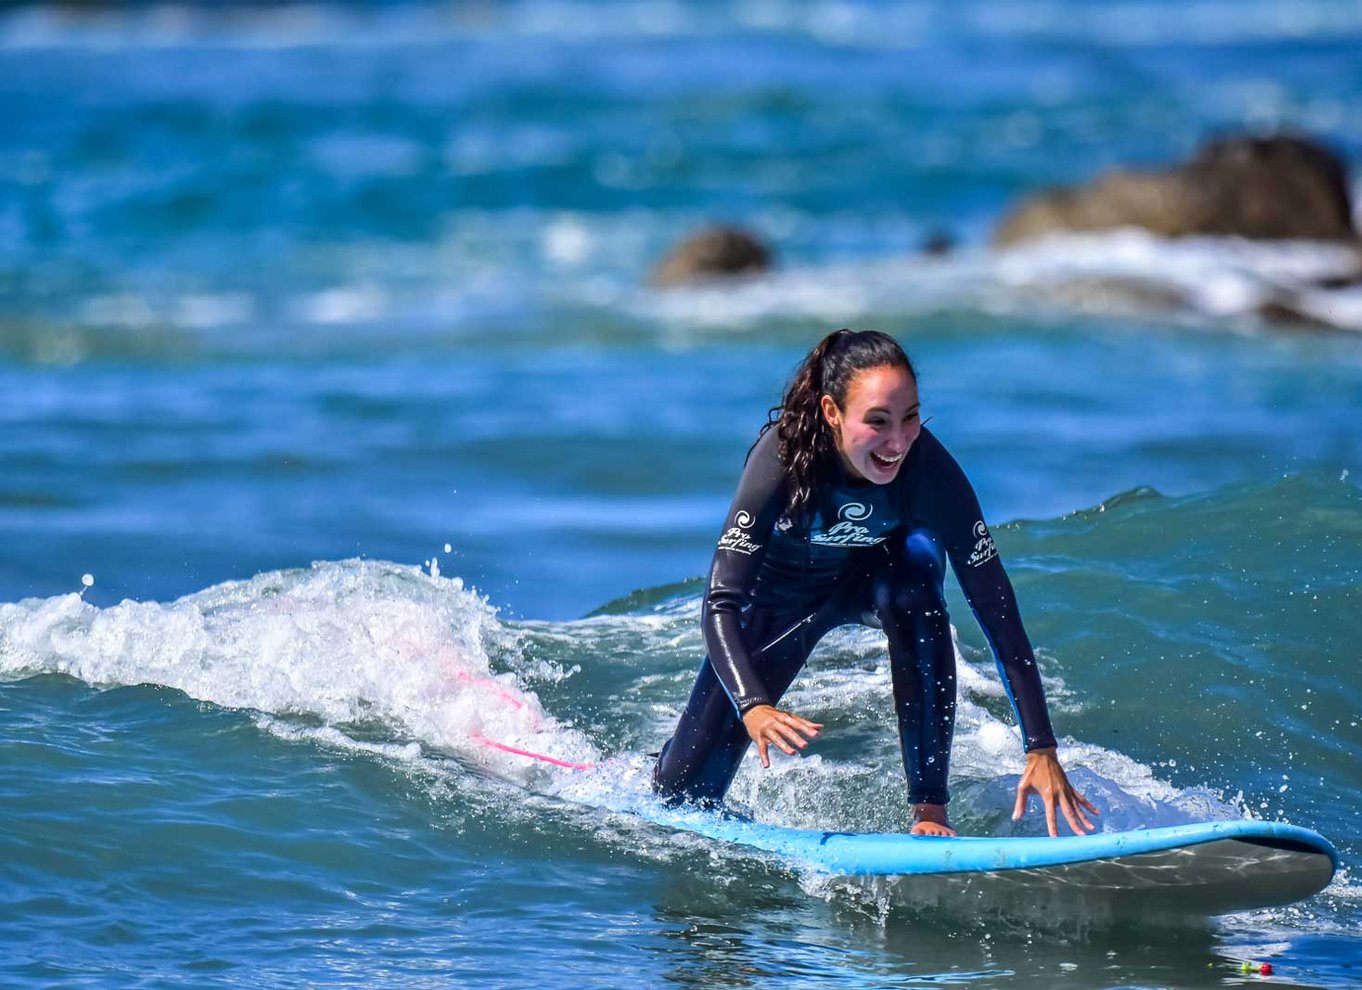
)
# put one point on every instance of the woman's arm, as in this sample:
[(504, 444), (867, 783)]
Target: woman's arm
[(747, 533), (946, 503)]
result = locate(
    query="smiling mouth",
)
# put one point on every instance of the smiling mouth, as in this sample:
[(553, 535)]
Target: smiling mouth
[(885, 462)]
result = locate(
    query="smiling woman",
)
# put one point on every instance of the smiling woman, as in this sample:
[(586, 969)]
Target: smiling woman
[(846, 513)]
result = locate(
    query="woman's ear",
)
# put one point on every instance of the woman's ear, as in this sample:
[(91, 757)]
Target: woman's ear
[(831, 413)]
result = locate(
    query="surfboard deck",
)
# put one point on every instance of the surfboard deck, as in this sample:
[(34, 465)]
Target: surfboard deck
[(1204, 868)]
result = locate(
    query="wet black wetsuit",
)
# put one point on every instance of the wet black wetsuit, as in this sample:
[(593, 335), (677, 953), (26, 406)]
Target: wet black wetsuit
[(870, 554)]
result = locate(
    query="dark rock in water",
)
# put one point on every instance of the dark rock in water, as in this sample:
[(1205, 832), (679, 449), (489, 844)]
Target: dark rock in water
[(1343, 280), (1160, 203), (714, 252), (938, 243), (1284, 311), (1274, 188), (1266, 188)]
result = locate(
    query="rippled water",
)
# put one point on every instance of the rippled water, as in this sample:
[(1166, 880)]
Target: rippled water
[(325, 353)]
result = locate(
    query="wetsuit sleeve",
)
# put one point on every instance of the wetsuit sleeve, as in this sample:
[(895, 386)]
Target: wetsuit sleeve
[(947, 505), (747, 534)]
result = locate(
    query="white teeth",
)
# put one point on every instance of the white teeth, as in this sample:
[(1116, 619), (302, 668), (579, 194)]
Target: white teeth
[(886, 460)]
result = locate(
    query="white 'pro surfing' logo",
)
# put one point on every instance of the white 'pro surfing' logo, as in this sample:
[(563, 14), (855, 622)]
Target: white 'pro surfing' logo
[(984, 550), (736, 537), (845, 532)]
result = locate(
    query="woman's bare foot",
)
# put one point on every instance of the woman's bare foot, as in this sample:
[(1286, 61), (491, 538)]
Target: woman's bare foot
[(930, 819)]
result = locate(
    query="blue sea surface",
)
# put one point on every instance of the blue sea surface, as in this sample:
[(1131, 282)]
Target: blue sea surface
[(346, 458)]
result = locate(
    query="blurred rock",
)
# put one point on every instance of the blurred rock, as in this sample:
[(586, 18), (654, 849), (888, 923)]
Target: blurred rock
[(713, 252), (1342, 281), (1264, 188), (938, 243), (1285, 310)]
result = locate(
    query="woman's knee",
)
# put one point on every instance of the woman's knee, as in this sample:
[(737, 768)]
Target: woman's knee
[(700, 760), (924, 553), (913, 583)]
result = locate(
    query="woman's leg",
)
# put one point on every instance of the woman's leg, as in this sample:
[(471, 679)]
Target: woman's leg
[(703, 755), (911, 607)]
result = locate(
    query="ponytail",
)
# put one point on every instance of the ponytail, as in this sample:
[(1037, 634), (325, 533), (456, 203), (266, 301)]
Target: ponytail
[(807, 444)]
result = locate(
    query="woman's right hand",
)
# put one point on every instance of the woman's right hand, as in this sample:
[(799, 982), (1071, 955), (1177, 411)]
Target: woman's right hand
[(768, 725)]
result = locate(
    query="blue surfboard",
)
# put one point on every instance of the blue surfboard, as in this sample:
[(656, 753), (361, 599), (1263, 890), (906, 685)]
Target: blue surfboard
[(1204, 868)]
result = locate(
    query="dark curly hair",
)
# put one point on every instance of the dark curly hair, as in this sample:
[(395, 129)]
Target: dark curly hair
[(807, 445)]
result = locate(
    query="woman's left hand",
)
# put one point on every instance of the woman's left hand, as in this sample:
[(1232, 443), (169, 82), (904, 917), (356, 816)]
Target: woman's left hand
[(1046, 777)]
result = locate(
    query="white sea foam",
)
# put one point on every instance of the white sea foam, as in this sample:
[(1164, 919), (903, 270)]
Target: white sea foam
[(344, 643), (207, 311), (345, 304)]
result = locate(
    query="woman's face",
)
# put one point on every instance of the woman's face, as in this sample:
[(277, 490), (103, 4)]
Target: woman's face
[(879, 424)]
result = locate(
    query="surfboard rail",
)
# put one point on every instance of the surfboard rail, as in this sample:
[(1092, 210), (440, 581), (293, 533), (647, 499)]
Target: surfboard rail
[(1223, 865)]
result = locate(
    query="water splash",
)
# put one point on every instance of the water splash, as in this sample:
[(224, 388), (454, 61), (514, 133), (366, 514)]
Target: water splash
[(349, 643)]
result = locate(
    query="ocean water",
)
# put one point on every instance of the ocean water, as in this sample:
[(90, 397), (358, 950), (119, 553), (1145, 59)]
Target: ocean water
[(345, 460)]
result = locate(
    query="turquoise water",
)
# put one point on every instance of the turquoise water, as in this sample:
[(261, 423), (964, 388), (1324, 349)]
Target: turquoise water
[(324, 353)]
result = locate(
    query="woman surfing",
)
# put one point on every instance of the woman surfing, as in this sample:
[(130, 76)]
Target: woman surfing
[(846, 513)]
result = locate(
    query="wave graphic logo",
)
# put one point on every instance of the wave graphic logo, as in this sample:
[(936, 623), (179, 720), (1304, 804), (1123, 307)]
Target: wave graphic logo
[(855, 511)]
